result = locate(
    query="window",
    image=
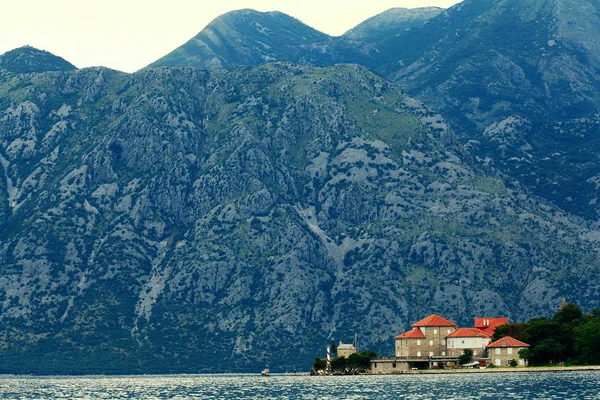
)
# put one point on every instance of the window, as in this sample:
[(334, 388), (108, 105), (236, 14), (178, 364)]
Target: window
[(462, 341), (435, 331), (393, 365), (418, 354), (449, 332), (418, 342), (498, 362), (431, 354), (498, 350), (443, 342), (509, 350), (443, 353), (431, 342), (474, 353)]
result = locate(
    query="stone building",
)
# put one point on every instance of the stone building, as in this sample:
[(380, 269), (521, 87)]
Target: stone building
[(409, 344), (502, 351), (426, 339), (467, 338), (345, 350)]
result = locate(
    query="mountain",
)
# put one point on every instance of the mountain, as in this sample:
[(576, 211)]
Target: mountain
[(179, 220), (248, 38), (28, 59), (245, 37), (520, 80), (517, 80), (391, 22)]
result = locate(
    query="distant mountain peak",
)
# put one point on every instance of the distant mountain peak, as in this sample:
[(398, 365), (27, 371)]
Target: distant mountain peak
[(244, 37), (28, 59), (394, 19)]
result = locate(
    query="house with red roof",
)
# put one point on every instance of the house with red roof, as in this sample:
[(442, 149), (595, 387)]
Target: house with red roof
[(409, 344), (467, 338), (502, 351), (426, 339), (436, 341), (489, 325)]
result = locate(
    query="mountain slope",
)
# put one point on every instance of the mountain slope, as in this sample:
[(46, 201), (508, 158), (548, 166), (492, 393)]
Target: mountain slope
[(248, 38), (391, 22), (521, 79), (28, 59), (176, 220), (517, 80)]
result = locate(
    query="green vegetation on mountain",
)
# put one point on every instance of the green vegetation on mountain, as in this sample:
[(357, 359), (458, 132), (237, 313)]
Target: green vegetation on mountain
[(516, 80), (178, 220)]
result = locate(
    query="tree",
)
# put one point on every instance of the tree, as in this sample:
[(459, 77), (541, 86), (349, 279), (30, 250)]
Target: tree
[(319, 364), (333, 347), (513, 363), (587, 342), (512, 330), (567, 314), (466, 357), (525, 354), (548, 351)]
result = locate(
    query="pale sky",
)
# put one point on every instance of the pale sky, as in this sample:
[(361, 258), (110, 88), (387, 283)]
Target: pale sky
[(129, 34)]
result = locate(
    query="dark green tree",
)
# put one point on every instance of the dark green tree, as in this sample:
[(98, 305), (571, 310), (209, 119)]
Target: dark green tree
[(587, 341), (333, 347), (512, 330), (548, 351), (319, 364), (525, 354), (466, 357), (567, 314)]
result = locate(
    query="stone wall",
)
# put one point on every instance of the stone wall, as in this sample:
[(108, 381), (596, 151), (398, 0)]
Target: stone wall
[(389, 366), (500, 356)]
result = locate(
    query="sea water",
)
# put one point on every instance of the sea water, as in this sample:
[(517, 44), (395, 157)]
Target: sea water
[(538, 385)]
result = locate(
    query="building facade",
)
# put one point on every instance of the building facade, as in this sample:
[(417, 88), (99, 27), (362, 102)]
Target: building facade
[(467, 338), (502, 351), (426, 339), (436, 341), (345, 350), (410, 344)]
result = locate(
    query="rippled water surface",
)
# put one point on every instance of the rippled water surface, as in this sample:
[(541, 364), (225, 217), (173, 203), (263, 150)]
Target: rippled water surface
[(575, 385)]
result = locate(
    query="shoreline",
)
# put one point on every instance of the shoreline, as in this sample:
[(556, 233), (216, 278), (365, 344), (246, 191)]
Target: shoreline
[(498, 370)]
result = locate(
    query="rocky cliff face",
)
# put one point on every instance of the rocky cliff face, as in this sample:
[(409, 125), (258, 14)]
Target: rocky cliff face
[(181, 220), (521, 79), (517, 81)]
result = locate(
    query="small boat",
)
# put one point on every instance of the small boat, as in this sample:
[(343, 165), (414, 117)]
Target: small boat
[(265, 372)]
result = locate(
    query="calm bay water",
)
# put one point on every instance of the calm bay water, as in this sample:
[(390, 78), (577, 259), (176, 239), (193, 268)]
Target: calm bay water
[(572, 385)]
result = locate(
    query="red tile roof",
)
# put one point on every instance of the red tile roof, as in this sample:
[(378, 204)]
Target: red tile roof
[(508, 342), (433, 320), (413, 334), (489, 325), (469, 332)]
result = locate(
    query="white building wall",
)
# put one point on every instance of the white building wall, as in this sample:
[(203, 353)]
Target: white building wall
[(466, 343)]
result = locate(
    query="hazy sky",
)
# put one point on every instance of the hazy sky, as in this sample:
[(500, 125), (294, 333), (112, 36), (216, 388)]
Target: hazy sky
[(129, 34)]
